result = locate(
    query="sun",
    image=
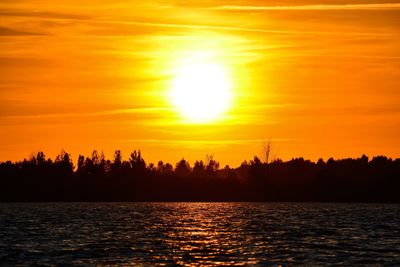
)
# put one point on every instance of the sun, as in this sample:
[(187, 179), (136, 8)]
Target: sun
[(201, 92)]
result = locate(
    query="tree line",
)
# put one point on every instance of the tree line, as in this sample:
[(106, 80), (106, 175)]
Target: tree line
[(95, 178)]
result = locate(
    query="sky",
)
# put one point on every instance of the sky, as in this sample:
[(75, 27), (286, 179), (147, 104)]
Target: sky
[(318, 79)]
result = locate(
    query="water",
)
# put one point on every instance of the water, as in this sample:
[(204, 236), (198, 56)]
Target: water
[(191, 234)]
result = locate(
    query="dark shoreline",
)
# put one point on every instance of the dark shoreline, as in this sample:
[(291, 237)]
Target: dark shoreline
[(95, 179)]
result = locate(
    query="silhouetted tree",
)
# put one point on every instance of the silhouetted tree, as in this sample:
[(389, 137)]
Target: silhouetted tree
[(199, 168), (64, 162), (136, 161), (212, 164), (182, 168), (99, 179)]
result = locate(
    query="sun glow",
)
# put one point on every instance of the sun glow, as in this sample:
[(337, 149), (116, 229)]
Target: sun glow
[(201, 91)]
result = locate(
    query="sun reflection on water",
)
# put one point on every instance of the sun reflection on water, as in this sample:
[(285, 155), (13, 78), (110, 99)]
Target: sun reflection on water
[(201, 237), (199, 234)]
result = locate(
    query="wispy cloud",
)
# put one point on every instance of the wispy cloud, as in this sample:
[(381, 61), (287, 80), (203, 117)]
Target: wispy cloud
[(13, 32), (39, 14), (185, 26), (232, 28), (87, 114), (378, 6), (197, 142), (101, 74)]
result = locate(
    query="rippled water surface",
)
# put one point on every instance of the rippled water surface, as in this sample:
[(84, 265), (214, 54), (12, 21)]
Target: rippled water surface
[(199, 234)]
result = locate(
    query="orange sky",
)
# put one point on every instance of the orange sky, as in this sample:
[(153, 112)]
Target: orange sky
[(319, 80)]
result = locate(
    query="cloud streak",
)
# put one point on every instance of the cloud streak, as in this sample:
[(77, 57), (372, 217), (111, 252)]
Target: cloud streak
[(233, 28), (191, 143), (38, 14), (383, 6), (188, 26), (87, 114), (12, 32)]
